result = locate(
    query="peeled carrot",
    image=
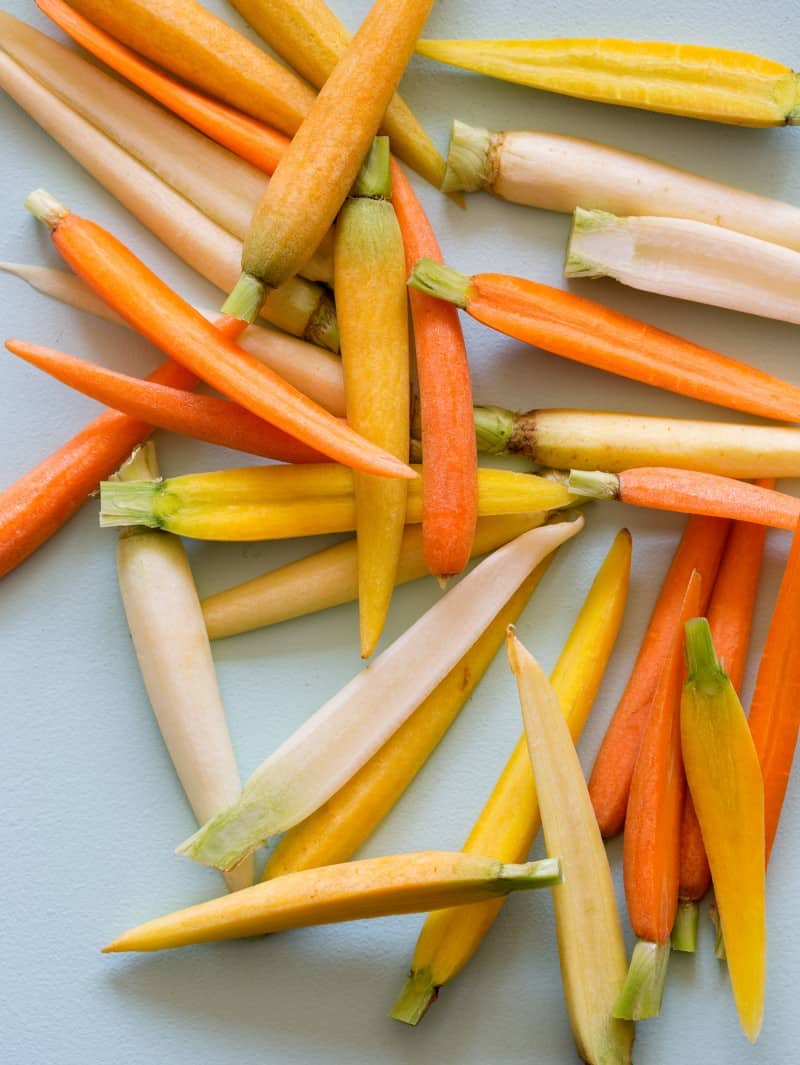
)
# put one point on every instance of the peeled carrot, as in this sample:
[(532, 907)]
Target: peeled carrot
[(700, 549), (159, 314), (652, 831), (589, 333), (209, 418), (246, 136), (450, 494)]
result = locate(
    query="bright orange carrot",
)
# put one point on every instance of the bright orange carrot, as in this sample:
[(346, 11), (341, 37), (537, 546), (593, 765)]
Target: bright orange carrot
[(159, 314), (246, 136), (700, 549), (651, 861), (589, 333), (450, 495), (209, 418), (775, 707)]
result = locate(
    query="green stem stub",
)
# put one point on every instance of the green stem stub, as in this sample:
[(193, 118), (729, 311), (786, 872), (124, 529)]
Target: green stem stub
[(643, 989), (417, 995), (703, 667), (468, 158), (128, 503), (442, 282), (493, 429), (246, 298), (719, 941), (46, 208), (374, 180), (594, 483), (684, 931)]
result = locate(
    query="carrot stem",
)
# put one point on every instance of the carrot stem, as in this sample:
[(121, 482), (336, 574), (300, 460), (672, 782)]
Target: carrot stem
[(684, 931)]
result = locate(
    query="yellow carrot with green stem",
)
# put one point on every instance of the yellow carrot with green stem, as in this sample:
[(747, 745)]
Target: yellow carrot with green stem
[(320, 165), (510, 820), (372, 309)]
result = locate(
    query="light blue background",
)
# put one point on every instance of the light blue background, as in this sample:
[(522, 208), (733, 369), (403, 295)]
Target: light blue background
[(91, 808)]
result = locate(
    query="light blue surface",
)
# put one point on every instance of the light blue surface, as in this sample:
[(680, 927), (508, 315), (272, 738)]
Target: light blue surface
[(91, 808)]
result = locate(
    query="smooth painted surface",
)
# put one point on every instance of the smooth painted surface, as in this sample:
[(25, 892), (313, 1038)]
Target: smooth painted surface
[(91, 807)]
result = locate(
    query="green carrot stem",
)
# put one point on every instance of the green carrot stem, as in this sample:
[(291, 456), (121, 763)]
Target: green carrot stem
[(417, 995), (374, 180), (46, 208), (245, 299), (125, 503), (442, 282), (684, 931), (643, 989), (594, 483), (468, 158), (704, 669), (493, 429), (719, 941)]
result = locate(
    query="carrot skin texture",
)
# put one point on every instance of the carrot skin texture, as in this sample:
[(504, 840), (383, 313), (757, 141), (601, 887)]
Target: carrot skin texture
[(700, 548), (209, 418), (652, 824), (450, 493), (159, 314)]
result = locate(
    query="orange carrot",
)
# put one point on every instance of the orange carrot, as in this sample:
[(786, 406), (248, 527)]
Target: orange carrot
[(775, 707), (651, 860), (159, 314), (209, 418), (450, 493), (247, 137), (700, 549), (589, 333)]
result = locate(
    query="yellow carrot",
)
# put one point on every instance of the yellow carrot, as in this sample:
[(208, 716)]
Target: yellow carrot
[(312, 39), (510, 819), (338, 828), (372, 309), (727, 790), (320, 165), (375, 887), (693, 80)]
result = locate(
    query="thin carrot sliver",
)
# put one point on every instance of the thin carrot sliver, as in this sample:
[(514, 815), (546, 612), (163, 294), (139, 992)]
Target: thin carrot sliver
[(700, 548), (450, 493)]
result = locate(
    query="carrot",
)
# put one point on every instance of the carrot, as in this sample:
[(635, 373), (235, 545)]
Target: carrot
[(449, 498), (700, 549), (209, 418), (159, 314), (690, 492), (250, 139), (651, 861), (775, 707), (313, 178), (589, 333)]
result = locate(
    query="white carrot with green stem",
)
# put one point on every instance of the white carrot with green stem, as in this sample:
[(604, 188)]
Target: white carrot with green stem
[(169, 636)]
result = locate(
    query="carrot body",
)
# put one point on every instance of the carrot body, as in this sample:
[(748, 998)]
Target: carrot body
[(450, 494), (159, 314), (692, 492), (701, 549), (246, 136), (209, 418), (652, 825)]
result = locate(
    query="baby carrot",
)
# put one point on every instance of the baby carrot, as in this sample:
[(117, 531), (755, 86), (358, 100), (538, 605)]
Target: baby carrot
[(313, 178), (157, 312), (449, 505), (700, 549), (372, 309), (652, 832), (594, 335), (209, 418), (246, 136)]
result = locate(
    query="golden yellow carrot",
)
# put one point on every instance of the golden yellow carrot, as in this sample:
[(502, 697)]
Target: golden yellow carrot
[(188, 40), (312, 39), (329, 578), (510, 819), (275, 502), (320, 165), (724, 777), (372, 309), (716, 84), (375, 887), (338, 828)]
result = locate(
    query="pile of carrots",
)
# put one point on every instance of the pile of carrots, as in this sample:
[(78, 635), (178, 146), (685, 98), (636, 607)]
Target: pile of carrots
[(677, 753)]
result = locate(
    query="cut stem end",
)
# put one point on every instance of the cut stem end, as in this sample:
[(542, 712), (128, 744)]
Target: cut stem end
[(643, 989), (246, 299), (442, 282), (46, 208), (468, 158), (416, 997), (684, 931)]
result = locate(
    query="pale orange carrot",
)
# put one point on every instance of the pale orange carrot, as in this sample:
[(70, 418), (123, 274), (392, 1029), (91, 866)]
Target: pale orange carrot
[(159, 314), (450, 494), (210, 418), (700, 549)]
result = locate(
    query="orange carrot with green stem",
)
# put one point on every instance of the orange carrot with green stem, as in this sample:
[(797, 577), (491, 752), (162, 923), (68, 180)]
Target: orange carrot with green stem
[(652, 832), (246, 136), (700, 549), (589, 333), (210, 418), (159, 314), (450, 494), (730, 617)]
